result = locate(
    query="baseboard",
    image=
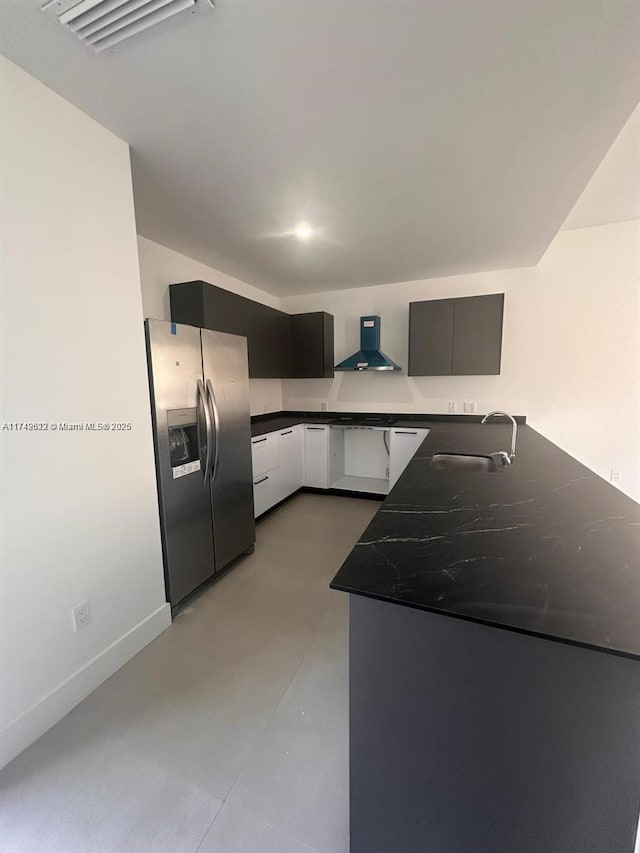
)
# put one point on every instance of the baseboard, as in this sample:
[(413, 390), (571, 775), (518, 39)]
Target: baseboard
[(371, 496), (36, 720), (344, 493)]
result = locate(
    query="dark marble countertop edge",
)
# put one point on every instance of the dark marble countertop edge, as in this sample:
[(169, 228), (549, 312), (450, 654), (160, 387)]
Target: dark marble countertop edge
[(488, 623)]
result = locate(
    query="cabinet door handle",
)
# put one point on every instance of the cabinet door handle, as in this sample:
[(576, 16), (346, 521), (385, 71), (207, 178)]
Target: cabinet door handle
[(322, 429), (288, 432), (258, 440), (257, 482), (404, 432)]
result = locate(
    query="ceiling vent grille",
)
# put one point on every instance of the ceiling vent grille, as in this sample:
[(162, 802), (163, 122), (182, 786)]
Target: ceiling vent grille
[(101, 24)]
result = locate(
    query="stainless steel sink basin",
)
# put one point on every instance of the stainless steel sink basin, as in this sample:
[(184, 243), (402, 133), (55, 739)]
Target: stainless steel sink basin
[(461, 462)]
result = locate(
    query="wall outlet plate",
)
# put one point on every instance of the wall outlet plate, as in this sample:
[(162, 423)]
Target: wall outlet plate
[(323, 407), (615, 476), (81, 616), (453, 407), (470, 407)]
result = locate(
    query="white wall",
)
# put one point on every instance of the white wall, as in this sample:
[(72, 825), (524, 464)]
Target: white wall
[(570, 358), (397, 392), (584, 368), (161, 266), (79, 509), (613, 192), (265, 395)]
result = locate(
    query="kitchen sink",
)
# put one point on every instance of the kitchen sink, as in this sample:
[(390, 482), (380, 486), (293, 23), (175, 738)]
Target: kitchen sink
[(462, 462)]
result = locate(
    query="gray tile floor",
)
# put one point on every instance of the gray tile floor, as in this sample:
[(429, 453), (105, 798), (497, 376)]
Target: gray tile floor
[(228, 733)]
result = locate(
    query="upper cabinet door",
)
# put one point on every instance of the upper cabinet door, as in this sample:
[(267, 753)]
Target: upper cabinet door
[(312, 345), (282, 344), (261, 340), (460, 336), (477, 335), (431, 337)]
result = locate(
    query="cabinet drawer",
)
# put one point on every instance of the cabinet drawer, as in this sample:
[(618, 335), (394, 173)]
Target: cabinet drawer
[(264, 453), (266, 491)]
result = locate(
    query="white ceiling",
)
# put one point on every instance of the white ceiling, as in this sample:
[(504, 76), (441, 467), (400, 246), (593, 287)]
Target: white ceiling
[(421, 137)]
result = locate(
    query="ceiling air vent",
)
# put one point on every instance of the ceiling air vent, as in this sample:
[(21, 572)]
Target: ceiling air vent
[(101, 24)]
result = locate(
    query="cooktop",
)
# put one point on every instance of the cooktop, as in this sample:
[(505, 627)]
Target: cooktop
[(366, 420)]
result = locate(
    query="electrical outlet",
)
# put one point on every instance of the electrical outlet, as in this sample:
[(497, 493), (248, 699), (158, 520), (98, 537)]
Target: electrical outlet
[(470, 407), (81, 616), (323, 407), (453, 407), (615, 476), (386, 473)]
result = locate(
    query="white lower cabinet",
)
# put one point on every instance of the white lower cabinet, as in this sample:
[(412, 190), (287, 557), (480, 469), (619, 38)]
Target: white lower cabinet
[(316, 456), (291, 459), (265, 458), (403, 444), (309, 455), (267, 491), (359, 460), (278, 466), (265, 453)]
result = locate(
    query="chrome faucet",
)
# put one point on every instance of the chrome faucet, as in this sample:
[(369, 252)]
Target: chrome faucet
[(507, 458)]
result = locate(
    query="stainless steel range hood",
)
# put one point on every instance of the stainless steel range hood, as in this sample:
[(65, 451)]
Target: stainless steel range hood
[(369, 356)]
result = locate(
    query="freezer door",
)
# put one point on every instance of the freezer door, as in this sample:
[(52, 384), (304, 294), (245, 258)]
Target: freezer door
[(181, 426), (226, 375)]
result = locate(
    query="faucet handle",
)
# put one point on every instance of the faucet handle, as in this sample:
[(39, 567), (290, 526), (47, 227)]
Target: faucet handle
[(502, 456)]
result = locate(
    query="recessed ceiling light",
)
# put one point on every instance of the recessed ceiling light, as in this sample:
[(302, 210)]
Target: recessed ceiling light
[(303, 231)]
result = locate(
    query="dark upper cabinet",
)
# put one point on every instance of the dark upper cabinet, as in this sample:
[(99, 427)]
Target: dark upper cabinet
[(431, 337), (261, 335), (312, 345), (209, 307), (282, 345), (461, 337), (269, 332), (477, 335)]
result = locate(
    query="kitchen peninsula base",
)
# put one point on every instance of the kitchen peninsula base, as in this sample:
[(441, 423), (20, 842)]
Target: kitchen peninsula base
[(465, 738)]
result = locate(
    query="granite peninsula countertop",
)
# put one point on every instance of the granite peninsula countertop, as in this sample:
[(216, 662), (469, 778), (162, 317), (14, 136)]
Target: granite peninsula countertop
[(543, 547)]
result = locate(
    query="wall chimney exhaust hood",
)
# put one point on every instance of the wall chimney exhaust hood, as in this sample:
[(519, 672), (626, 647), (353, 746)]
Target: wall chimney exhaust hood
[(369, 356)]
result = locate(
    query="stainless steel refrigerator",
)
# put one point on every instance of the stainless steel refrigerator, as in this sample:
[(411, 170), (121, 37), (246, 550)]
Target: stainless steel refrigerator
[(199, 384)]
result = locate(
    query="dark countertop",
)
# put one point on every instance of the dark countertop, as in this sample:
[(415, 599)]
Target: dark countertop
[(263, 424), (274, 423), (543, 547)]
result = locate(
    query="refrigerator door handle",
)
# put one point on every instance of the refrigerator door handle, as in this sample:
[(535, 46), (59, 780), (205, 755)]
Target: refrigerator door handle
[(216, 426), (207, 419)]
